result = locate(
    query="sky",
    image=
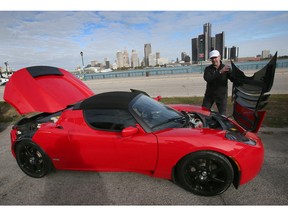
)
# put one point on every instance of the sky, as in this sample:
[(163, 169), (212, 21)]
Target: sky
[(34, 35)]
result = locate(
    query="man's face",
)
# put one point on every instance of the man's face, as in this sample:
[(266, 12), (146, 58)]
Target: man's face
[(215, 61)]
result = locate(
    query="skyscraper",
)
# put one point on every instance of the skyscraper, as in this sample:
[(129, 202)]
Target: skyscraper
[(234, 53), (126, 59), (147, 52), (134, 59), (157, 55), (106, 63), (207, 29), (202, 49), (183, 54), (265, 54), (185, 57), (152, 59), (202, 45), (220, 43), (120, 62), (195, 50)]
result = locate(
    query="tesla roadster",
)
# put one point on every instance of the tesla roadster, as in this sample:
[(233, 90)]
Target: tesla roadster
[(71, 128)]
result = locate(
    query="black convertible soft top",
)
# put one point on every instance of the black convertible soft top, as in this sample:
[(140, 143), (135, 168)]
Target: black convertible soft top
[(108, 100)]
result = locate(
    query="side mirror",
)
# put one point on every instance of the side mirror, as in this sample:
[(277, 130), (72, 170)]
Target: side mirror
[(129, 131), (158, 98)]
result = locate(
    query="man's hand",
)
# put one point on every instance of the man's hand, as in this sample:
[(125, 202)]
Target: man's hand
[(225, 69)]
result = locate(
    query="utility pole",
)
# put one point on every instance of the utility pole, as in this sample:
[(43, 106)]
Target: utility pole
[(6, 64)]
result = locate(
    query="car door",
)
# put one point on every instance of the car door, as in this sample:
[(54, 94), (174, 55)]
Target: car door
[(98, 136)]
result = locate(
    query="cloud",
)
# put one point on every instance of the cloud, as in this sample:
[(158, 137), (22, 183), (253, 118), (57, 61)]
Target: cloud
[(57, 37)]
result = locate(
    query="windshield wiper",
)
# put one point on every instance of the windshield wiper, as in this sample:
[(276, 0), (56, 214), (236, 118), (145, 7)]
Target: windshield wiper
[(176, 119)]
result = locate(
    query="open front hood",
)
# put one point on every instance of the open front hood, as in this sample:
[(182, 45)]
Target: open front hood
[(44, 89), (250, 95)]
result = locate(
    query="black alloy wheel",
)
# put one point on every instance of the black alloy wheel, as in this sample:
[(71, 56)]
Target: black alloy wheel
[(205, 173), (31, 159)]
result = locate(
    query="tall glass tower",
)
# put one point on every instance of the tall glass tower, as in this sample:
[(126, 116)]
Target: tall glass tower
[(220, 43), (204, 43), (147, 52), (207, 29)]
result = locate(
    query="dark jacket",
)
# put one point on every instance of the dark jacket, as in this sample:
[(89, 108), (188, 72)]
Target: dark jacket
[(217, 84)]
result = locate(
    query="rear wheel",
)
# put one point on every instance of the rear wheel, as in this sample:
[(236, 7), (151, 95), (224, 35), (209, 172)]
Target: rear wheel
[(32, 160), (205, 173)]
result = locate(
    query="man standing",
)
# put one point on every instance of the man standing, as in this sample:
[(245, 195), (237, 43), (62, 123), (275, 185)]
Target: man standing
[(216, 75)]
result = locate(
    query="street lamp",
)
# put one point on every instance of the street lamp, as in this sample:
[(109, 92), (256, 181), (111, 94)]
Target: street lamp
[(6, 64), (81, 53)]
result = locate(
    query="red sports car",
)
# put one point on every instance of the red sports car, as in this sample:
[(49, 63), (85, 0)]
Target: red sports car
[(74, 129)]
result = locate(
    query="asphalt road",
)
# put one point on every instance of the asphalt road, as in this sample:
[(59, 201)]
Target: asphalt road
[(270, 187)]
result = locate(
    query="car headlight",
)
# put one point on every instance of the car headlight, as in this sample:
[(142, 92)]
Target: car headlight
[(239, 138)]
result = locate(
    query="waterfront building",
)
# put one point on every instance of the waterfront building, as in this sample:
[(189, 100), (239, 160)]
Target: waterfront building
[(106, 63), (120, 62), (114, 66), (157, 55), (204, 43), (220, 43), (134, 59), (93, 63), (265, 54), (234, 53), (126, 59), (152, 59), (225, 54), (147, 52), (207, 29), (185, 57), (213, 43), (195, 50), (202, 55), (183, 54), (162, 61)]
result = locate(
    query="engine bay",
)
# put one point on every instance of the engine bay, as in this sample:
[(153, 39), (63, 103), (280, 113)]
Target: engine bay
[(214, 121)]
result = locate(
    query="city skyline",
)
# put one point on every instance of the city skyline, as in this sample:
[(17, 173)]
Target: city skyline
[(56, 38)]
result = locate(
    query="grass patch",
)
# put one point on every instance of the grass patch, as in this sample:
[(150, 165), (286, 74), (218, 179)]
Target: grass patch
[(277, 113), (276, 116), (7, 113)]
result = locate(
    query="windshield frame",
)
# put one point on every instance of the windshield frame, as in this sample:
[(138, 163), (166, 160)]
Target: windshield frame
[(154, 115)]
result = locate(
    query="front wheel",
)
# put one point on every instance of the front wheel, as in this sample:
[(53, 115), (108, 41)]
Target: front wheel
[(31, 159), (205, 173)]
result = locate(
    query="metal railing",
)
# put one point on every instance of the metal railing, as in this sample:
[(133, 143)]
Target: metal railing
[(172, 70)]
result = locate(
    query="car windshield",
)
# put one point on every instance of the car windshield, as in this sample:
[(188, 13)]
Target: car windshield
[(157, 115)]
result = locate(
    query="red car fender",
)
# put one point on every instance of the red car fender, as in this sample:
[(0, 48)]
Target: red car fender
[(13, 138), (174, 144), (53, 138), (250, 160)]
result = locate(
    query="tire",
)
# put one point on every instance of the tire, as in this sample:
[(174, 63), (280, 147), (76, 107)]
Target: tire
[(205, 173), (32, 160)]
